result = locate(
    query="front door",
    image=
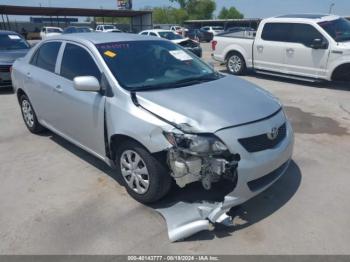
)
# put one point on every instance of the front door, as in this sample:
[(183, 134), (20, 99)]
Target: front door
[(301, 58), (79, 115)]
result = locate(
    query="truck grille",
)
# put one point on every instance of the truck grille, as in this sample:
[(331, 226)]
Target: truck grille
[(5, 68), (262, 142)]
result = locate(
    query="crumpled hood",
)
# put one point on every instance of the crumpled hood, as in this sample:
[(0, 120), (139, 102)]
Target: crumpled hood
[(9, 56), (210, 106)]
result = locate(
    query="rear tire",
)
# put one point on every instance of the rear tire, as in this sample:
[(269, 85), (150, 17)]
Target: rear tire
[(29, 116), (145, 178), (235, 64)]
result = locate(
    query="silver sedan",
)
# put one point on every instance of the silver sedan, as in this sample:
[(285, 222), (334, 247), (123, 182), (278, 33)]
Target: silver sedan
[(156, 113)]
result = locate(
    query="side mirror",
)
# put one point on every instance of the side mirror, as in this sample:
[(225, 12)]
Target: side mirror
[(86, 83), (319, 44)]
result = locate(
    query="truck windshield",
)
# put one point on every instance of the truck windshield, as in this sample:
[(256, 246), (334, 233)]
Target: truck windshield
[(338, 29), (150, 65), (12, 42)]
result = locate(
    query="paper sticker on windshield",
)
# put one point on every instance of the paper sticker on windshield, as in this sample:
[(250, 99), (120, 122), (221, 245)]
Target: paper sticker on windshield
[(110, 54), (14, 37), (180, 55)]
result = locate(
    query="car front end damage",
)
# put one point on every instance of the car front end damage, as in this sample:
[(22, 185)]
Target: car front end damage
[(251, 157)]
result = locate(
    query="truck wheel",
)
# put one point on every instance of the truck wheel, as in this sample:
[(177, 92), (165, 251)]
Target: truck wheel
[(29, 115), (145, 178), (235, 64)]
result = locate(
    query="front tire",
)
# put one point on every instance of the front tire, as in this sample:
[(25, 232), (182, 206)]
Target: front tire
[(146, 179), (29, 116), (235, 64)]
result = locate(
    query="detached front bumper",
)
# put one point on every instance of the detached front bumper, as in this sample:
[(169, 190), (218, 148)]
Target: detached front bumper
[(256, 172)]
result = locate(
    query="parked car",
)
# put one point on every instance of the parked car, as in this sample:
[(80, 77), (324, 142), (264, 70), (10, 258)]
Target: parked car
[(156, 113), (186, 43), (178, 29), (213, 29), (77, 29), (107, 28), (49, 31), (199, 35), (303, 47), (12, 46)]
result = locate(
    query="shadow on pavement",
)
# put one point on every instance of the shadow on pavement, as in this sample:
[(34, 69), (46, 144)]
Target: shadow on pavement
[(259, 207), (248, 213)]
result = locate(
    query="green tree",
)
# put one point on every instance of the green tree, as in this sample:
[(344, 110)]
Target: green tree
[(201, 9), (197, 9), (182, 3), (169, 15), (230, 13)]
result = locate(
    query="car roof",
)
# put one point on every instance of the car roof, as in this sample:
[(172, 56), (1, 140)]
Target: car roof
[(157, 30), (5, 32), (304, 17), (100, 38)]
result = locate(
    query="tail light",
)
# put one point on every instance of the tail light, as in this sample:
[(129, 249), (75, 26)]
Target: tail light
[(213, 44)]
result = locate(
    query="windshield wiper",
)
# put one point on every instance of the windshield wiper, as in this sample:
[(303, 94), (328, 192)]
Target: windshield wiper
[(176, 84)]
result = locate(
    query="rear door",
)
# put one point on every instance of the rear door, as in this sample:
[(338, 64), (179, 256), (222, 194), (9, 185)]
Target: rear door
[(79, 115), (269, 49), (301, 58), (41, 78)]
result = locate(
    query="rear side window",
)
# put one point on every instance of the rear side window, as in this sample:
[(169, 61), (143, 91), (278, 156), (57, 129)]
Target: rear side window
[(152, 34), (76, 61), (279, 32), (305, 34), (45, 57)]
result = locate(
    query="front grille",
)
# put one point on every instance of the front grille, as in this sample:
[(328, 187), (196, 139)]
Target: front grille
[(263, 142), (5, 83), (5, 68)]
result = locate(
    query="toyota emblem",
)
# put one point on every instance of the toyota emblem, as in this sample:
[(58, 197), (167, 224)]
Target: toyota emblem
[(273, 134)]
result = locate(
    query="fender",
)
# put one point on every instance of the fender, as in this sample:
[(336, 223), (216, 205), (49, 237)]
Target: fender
[(238, 48), (335, 61)]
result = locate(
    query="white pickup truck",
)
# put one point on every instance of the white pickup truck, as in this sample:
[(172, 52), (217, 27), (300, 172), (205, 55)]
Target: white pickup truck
[(305, 47)]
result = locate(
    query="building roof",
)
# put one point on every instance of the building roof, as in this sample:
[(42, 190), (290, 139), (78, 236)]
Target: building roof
[(59, 11)]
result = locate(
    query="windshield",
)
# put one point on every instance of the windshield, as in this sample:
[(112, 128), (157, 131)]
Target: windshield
[(150, 65), (170, 35), (54, 30), (338, 29), (107, 27), (12, 42)]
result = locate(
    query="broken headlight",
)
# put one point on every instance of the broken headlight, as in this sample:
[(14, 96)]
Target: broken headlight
[(193, 143)]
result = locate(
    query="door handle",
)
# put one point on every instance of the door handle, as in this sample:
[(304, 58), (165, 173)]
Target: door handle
[(29, 76), (290, 50), (260, 47), (58, 89)]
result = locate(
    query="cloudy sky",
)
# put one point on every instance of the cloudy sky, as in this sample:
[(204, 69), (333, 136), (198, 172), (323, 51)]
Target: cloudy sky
[(250, 8)]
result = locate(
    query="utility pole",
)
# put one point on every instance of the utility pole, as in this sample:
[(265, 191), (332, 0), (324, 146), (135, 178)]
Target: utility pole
[(331, 8)]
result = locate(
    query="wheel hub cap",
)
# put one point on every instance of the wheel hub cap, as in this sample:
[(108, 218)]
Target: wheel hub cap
[(27, 113), (134, 171)]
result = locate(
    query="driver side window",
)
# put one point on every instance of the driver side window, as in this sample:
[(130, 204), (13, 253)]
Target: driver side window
[(305, 34), (76, 61)]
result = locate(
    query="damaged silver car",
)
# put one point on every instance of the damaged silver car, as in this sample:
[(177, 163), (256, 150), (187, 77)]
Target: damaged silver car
[(158, 114)]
